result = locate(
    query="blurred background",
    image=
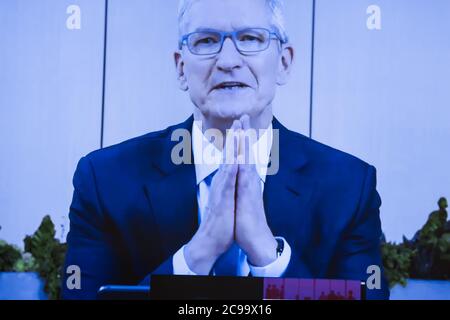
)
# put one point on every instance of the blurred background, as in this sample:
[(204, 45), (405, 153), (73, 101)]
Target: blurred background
[(371, 78)]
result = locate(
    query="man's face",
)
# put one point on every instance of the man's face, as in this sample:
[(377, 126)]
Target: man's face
[(260, 72)]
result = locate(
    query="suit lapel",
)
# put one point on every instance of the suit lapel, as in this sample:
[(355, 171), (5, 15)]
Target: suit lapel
[(288, 194), (172, 194)]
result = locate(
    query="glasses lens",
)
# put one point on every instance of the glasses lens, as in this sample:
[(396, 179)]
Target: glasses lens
[(204, 42), (253, 40)]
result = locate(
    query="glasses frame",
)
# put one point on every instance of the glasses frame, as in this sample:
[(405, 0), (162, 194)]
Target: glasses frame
[(232, 35)]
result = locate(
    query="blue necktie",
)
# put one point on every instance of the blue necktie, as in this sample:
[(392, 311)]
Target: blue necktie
[(227, 263)]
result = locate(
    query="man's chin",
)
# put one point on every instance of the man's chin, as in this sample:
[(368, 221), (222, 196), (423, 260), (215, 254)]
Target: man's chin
[(231, 111)]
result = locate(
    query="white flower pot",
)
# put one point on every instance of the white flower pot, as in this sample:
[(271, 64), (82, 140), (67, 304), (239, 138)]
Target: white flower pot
[(21, 286), (422, 290)]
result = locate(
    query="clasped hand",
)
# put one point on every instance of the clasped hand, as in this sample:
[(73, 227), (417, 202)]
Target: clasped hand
[(234, 213)]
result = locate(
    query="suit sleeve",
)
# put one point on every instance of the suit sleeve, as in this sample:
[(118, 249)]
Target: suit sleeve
[(91, 244), (89, 247), (360, 246)]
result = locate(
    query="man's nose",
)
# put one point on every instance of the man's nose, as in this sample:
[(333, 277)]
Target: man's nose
[(229, 58)]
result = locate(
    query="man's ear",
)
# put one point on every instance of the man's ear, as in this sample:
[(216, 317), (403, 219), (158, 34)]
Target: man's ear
[(179, 65), (285, 64)]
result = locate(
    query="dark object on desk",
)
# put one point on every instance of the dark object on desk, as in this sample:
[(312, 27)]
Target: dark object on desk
[(169, 287), (206, 287), (123, 293)]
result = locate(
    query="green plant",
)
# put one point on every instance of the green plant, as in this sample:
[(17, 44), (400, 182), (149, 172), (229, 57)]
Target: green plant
[(433, 246), (425, 256), (49, 254), (43, 254), (27, 263), (9, 255), (397, 261)]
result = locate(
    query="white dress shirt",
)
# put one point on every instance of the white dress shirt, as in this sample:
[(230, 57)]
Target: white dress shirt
[(204, 166)]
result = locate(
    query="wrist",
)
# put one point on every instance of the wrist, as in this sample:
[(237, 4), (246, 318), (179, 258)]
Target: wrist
[(199, 255), (263, 253)]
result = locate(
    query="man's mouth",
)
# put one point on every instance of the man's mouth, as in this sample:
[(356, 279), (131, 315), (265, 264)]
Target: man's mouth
[(230, 85)]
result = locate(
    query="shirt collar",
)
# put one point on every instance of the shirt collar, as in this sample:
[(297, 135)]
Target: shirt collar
[(261, 152)]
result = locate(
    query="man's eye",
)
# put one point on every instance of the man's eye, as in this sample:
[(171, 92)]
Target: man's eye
[(205, 41), (250, 38)]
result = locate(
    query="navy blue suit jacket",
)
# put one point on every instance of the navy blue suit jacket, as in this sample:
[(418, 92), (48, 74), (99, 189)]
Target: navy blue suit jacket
[(132, 209)]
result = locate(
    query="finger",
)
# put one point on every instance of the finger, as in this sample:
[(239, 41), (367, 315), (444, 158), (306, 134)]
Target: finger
[(245, 120), (247, 141), (228, 168), (231, 146), (247, 173), (247, 178)]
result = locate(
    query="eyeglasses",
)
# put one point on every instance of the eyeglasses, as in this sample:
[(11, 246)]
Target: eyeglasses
[(209, 42)]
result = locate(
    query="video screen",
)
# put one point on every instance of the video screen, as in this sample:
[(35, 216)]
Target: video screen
[(208, 149)]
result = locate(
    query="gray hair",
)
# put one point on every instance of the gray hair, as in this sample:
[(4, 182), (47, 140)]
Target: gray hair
[(276, 8)]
